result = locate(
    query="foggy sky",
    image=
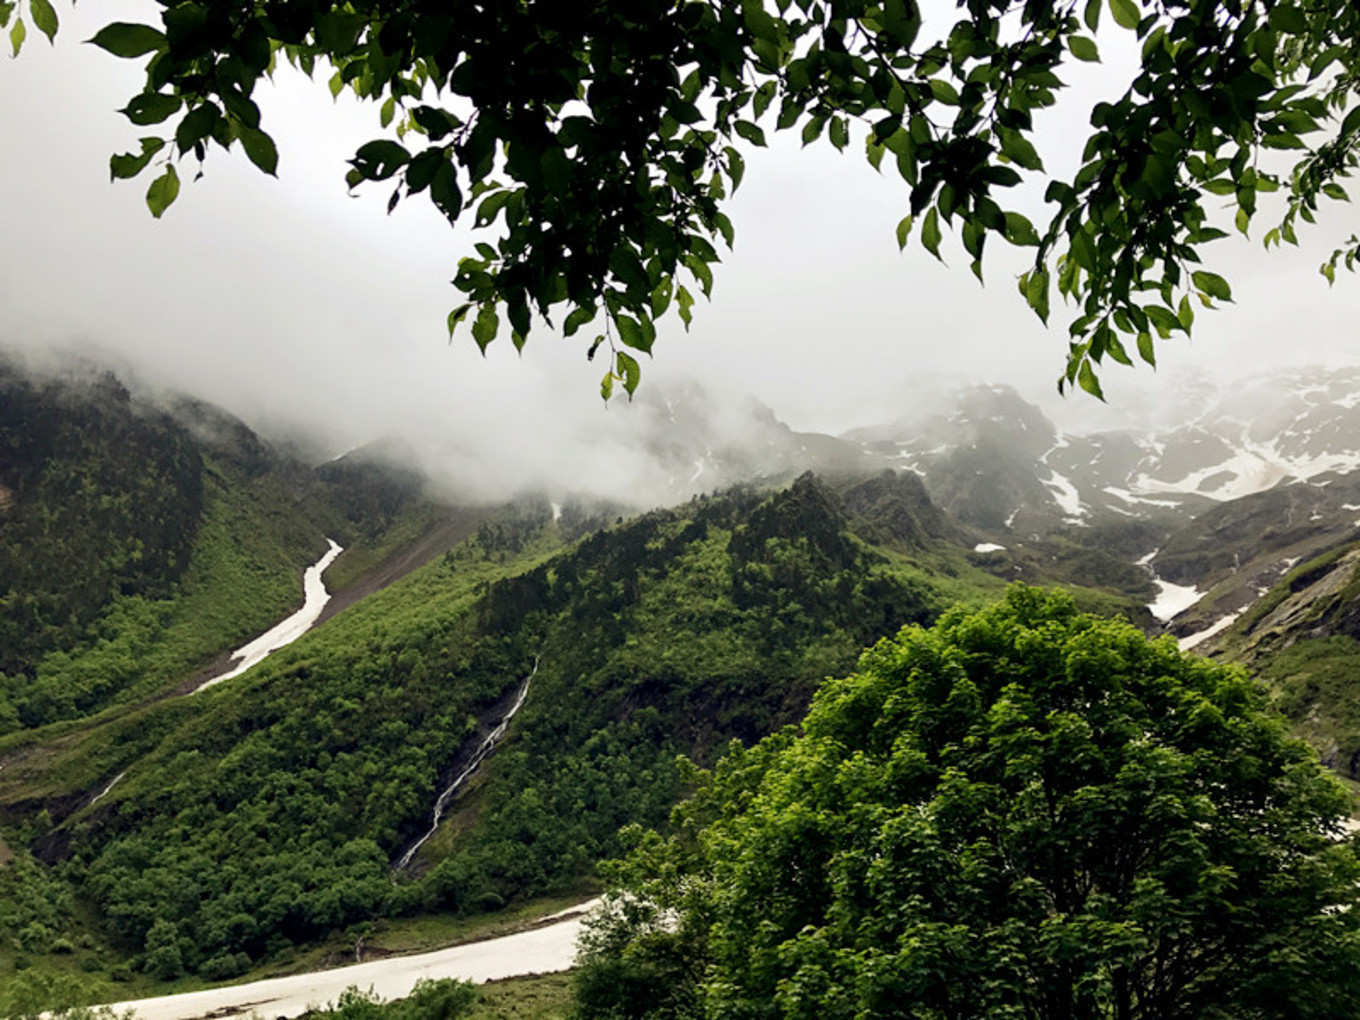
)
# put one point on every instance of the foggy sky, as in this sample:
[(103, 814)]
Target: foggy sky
[(301, 307)]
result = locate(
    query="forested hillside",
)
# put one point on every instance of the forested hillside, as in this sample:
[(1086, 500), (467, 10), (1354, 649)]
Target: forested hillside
[(150, 836), (269, 811)]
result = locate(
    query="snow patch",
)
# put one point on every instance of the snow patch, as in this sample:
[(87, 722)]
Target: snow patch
[(314, 599), (1172, 599), (1129, 497), (986, 547), (1066, 496), (1191, 640)]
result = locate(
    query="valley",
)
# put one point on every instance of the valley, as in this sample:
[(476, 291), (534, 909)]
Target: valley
[(494, 696)]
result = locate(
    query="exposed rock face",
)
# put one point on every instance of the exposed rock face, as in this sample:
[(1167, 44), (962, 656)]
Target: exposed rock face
[(1320, 602)]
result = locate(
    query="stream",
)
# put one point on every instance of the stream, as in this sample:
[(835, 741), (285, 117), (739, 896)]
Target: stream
[(314, 599), (486, 747)]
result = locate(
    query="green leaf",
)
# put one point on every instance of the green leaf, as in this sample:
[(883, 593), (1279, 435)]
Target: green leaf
[(629, 371), (125, 39), (491, 206), (380, 159), (1164, 319), (444, 191), (44, 18), (751, 132), (1020, 231), (195, 126), (129, 164), (1145, 348), (944, 91), (17, 34), (840, 133), (1036, 292), (1212, 284), (1352, 122), (1185, 313), (1126, 15), (930, 233), (150, 108), (1084, 48), (1086, 379), (457, 316), (632, 334), (420, 172), (576, 319), (163, 191), (1019, 149), (903, 232), (607, 385), (1288, 18), (486, 325), (260, 149)]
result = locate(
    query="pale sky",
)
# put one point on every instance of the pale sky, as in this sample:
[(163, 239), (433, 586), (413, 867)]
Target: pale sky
[(299, 306)]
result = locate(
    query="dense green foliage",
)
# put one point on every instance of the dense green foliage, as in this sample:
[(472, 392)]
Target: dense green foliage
[(79, 524), (601, 142), (429, 1000), (1315, 688), (272, 816), (196, 837), (242, 576), (1023, 812)]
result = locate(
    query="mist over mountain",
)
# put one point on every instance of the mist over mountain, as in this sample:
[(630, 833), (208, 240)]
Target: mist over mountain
[(698, 596)]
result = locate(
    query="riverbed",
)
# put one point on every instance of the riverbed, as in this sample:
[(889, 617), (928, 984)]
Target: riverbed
[(542, 950)]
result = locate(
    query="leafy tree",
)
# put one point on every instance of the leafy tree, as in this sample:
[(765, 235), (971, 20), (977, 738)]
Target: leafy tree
[(1023, 812), (599, 141)]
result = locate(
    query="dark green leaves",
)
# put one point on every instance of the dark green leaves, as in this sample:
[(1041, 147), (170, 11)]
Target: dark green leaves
[(260, 149), (44, 18), (1212, 285), (1083, 48), (129, 164), (151, 108), (1126, 13), (164, 190), (380, 159), (125, 39), (602, 178), (930, 233), (485, 326)]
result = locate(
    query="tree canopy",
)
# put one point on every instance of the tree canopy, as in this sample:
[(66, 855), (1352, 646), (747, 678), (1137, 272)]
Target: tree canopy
[(598, 143), (1023, 812)]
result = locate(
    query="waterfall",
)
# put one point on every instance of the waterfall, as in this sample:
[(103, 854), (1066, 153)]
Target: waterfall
[(484, 749)]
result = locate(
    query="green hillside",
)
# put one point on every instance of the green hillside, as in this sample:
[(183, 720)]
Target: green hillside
[(266, 813)]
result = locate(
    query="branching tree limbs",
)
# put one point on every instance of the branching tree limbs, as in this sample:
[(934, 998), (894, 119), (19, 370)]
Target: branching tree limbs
[(598, 142)]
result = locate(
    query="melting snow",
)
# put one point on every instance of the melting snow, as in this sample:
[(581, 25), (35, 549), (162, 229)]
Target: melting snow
[(1191, 640), (315, 597), (986, 547), (1129, 497), (1172, 599), (1065, 495)]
